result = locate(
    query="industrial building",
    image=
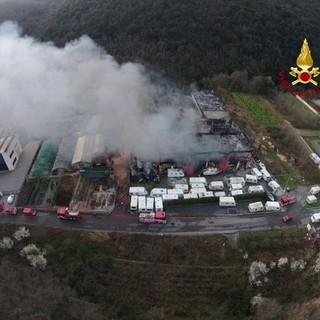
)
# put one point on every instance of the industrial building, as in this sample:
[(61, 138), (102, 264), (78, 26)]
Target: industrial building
[(10, 150)]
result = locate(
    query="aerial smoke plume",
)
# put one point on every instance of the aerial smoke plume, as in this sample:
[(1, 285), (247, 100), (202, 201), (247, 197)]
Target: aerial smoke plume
[(80, 89)]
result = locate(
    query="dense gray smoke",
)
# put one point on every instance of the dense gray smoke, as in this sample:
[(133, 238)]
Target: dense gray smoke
[(80, 89)]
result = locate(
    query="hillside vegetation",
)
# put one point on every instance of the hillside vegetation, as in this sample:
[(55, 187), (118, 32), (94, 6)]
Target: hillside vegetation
[(186, 39)]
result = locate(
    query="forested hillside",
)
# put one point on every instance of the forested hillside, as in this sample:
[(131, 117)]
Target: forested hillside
[(186, 39)]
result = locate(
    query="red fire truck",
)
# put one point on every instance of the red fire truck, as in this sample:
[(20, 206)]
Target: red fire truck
[(153, 217), (66, 214), (287, 199)]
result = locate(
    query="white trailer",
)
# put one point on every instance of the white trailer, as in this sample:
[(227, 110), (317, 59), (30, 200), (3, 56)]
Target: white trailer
[(315, 218), (315, 190), (197, 185), (182, 186), (236, 180), (207, 194), (251, 178), (158, 203), (311, 199), (198, 190), (158, 192), (235, 186), (150, 203), (138, 191), (257, 173), (172, 196), (274, 185), (265, 175), (179, 192), (236, 192), (198, 180), (272, 206), (216, 185), (142, 203), (255, 189), (190, 196), (175, 173), (256, 206), (219, 194), (134, 203), (227, 202)]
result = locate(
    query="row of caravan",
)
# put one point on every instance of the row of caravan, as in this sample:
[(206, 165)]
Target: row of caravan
[(143, 203), (269, 206)]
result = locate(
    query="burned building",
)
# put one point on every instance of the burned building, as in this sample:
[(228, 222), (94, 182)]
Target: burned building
[(10, 150)]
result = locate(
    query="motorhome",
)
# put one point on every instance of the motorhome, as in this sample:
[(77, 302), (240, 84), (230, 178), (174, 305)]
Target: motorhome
[(134, 203), (158, 203), (216, 185), (274, 185), (255, 189), (227, 202), (315, 218), (142, 203), (256, 206), (138, 191), (175, 173), (158, 192), (182, 186), (272, 206), (150, 203), (198, 180), (257, 173), (236, 180), (251, 178), (236, 192), (315, 190), (265, 175)]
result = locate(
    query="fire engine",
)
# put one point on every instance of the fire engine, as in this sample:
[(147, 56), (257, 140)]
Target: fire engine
[(29, 211), (66, 214), (153, 217), (287, 199)]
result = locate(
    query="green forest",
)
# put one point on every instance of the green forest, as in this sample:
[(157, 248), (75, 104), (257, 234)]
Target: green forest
[(187, 39)]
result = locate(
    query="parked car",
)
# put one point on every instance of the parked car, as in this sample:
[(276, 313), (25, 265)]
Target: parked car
[(287, 218), (10, 198), (12, 211)]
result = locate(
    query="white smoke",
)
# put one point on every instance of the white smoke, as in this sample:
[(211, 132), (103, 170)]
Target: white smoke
[(46, 90)]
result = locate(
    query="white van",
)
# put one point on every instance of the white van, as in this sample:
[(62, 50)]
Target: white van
[(256, 206), (216, 185), (272, 206), (315, 218), (311, 199), (227, 202), (236, 180), (274, 185), (255, 189), (236, 192), (257, 173), (251, 178), (315, 190), (265, 175)]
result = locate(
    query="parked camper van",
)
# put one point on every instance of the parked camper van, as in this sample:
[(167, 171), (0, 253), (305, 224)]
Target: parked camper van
[(315, 190), (227, 202), (257, 173), (138, 191), (255, 189), (134, 203), (142, 206), (256, 206), (311, 199), (216, 185), (236, 180), (198, 180), (265, 175), (150, 203), (274, 185), (272, 206), (315, 218), (251, 178), (158, 192)]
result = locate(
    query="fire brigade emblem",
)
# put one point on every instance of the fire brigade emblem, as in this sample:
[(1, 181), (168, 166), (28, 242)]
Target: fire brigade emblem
[(304, 63)]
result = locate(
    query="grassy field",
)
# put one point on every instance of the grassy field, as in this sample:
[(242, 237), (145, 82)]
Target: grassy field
[(134, 276)]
